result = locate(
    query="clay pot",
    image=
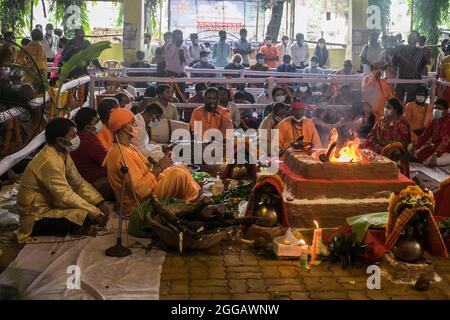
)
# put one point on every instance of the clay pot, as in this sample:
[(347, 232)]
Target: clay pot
[(268, 215), (408, 249)]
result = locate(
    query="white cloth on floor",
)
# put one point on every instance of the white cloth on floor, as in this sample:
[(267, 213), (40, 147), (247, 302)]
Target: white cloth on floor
[(443, 160), (40, 269)]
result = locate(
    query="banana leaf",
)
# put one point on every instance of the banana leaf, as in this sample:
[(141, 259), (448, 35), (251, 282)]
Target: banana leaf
[(82, 58)]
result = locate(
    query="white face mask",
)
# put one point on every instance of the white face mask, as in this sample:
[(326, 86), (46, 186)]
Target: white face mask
[(269, 42), (321, 45), (387, 112), (420, 99), (49, 32), (280, 99), (313, 64), (153, 123), (278, 118), (128, 106), (303, 89), (74, 144), (286, 42), (438, 114), (237, 64), (98, 127), (204, 59), (260, 61)]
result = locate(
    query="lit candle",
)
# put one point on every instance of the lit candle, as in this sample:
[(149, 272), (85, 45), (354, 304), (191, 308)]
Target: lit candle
[(317, 241)]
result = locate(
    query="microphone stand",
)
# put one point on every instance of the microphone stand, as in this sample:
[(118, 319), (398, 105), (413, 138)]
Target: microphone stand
[(118, 250)]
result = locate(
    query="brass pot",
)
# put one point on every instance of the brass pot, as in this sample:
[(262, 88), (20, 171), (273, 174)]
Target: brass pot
[(239, 172), (268, 215), (408, 249)]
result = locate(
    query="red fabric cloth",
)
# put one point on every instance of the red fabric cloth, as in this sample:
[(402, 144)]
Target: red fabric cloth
[(386, 132), (252, 200), (88, 158), (442, 198), (439, 134)]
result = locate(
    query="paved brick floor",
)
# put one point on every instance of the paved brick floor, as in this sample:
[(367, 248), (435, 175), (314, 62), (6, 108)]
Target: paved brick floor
[(234, 271)]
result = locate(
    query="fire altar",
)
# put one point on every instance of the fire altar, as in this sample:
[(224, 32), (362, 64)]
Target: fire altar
[(334, 184)]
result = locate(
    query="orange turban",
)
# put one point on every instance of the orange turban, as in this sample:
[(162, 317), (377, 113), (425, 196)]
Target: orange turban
[(119, 117)]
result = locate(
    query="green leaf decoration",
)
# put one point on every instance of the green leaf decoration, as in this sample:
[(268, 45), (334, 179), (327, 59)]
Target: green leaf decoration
[(82, 58)]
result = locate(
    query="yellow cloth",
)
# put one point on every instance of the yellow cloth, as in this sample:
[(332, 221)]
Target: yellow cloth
[(119, 117), (376, 93), (51, 187), (444, 68), (106, 137), (289, 132), (36, 50), (418, 117), (221, 119), (173, 182)]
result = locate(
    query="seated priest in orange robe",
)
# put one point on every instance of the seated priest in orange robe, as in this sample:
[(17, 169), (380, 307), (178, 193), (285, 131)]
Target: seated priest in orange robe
[(211, 115), (141, 182), (297, 125)]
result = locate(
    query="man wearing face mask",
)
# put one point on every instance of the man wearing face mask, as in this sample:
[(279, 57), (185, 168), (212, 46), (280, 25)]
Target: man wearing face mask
[(272, 120), (314, 66), (165, 98), (300, 51), (278, 95), (53, 198), (419, 113), (392, 127), (410, 62), (260, 64), (304, 93), (176, 55), (296, 126), (195, 50), (141, 181), (89, 157), (284, 48), (376, 91), (370, 52), (124, 100), (270, 52), (433, 146), (286, 66), (211, 115), (243, 47), (145, 121), (221, 51), (203, 64), (50, 43)]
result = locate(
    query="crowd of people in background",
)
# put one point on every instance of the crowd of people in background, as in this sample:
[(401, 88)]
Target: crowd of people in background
[(377, 112)]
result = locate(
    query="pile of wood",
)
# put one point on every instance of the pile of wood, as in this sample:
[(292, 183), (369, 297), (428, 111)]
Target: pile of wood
[(201, 224)]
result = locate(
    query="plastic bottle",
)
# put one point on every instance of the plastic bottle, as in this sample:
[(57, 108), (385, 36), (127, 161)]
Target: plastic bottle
[(218, 187)]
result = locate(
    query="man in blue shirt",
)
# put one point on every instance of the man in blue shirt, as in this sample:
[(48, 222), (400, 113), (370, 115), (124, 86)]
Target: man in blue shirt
[(286, 66), (221, 51), (203, 64)]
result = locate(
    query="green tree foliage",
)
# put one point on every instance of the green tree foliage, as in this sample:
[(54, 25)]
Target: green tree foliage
[(16, 14), (58, 9), (429, 15)]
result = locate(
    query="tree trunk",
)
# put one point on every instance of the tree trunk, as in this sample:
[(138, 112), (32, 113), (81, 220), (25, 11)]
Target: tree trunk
[(273, 28)]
